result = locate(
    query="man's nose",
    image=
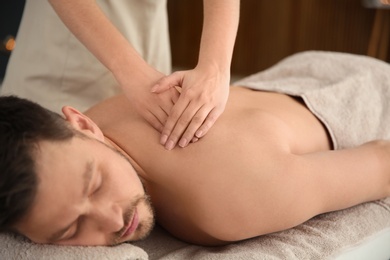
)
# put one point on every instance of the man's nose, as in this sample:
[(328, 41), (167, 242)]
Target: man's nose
[(109, 217)]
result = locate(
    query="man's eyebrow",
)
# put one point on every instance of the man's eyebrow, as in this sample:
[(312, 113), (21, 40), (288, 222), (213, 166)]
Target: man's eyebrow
[(87, 177)]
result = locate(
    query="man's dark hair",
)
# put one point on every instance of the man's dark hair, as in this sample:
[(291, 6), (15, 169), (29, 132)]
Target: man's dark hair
[(22, 125)]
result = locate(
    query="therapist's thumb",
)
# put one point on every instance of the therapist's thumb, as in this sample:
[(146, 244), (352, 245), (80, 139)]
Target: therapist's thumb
[(167, 82)]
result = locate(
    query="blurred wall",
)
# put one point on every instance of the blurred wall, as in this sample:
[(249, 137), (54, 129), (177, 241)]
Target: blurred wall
[(269, 30), (272, 30)]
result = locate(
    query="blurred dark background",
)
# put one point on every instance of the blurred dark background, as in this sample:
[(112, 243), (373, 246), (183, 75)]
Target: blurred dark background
[(10, 14), (272, 30), (268, 32)]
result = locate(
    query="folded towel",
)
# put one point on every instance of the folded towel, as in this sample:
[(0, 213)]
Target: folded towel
[(349, 93), (15, 247), (329, 84)]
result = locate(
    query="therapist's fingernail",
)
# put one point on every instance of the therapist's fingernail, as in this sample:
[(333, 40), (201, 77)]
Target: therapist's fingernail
[(199, 133), (183, 142), (154, 89), (163, 139), (170, 145)]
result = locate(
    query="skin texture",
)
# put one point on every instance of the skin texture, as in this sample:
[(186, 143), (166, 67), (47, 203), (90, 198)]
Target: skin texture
[(265, 166), (204, 89)]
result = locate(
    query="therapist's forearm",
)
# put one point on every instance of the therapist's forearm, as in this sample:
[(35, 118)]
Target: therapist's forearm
[(219, 32), (89, 24)]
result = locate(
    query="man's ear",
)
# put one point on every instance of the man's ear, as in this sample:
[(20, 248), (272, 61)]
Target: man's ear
[(82, 123)]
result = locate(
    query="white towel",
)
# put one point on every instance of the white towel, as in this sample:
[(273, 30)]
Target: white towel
[(15, 247)]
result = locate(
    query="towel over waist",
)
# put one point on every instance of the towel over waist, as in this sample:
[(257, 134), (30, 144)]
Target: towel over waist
[(349, 93)]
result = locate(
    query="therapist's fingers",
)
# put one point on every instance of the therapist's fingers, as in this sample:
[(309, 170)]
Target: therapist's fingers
[(175, 96), (165, 104), (151, 110), (161, 110), (170, 125), (209, 122), (168, 82), (194, 139), (161, 107), (170, 138), (202, 121), (153, 121), (189, 122)]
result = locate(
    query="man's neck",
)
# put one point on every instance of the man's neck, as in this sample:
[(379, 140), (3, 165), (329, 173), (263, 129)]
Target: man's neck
[(141, 173)]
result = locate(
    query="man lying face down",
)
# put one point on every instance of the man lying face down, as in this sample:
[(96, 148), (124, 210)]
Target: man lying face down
[(93, 178)]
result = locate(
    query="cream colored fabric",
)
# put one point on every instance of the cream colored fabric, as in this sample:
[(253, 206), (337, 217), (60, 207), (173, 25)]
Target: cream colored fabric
[(351, 96), (349, 93), (51, 67), (13, 247), (323, 237)]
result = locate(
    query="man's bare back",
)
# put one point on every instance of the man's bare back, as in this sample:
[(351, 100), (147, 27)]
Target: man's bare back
[(262, 168)]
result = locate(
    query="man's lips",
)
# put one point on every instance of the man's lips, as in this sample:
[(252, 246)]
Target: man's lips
[(133, 224)]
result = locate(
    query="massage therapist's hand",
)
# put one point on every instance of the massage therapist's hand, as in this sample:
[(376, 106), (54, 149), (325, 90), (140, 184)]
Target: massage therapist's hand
[(204, 93), (205, 89), (135, 76), (153, 107)]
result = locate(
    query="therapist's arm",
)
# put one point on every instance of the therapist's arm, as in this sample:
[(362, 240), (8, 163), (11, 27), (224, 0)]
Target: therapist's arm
[(89, 24), (205, 89)]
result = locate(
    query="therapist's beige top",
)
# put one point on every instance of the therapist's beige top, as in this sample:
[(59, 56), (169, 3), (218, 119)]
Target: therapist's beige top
[(51, 67)]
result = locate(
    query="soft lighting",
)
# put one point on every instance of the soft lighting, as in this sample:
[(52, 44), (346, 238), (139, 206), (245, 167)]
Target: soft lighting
[(385, 4), (9, 43)]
